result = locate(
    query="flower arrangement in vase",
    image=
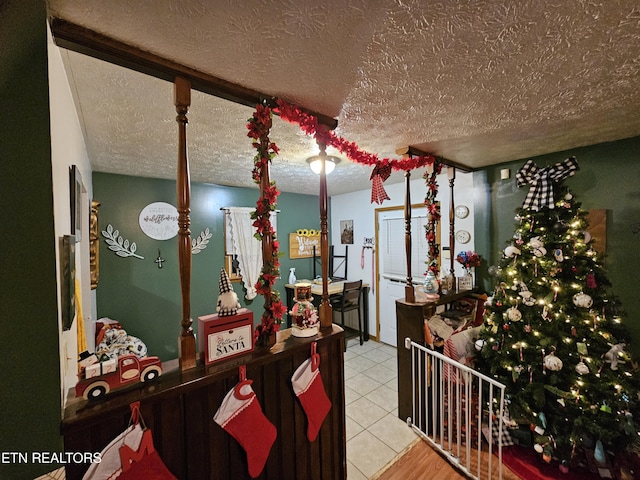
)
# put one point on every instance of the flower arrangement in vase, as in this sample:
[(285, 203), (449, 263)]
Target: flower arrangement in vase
[(468, 260)]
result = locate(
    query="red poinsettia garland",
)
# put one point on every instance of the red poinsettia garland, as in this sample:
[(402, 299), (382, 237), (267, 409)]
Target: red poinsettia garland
[(259, 126), (310, 125), (433, 208)]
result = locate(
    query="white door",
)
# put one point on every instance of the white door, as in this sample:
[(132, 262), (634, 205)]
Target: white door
[(392, 262)]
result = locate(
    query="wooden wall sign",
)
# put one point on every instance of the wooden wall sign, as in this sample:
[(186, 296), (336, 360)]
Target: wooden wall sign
[(597, 220), (301, 246)]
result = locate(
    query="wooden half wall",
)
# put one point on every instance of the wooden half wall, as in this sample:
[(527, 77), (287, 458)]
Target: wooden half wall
[(179, 409)]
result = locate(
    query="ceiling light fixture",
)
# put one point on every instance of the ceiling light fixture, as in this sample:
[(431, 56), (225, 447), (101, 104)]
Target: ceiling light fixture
[(330, 163)]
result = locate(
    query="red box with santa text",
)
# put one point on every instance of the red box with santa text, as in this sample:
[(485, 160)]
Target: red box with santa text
[(224, 337)]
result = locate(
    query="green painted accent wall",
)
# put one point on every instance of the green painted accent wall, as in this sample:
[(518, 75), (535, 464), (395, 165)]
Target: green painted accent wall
[(146, 299), (30, 365), (608, 179)]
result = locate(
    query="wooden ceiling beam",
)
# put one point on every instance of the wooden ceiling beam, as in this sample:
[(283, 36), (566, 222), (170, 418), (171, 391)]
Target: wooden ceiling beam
[(410, 150), (89, 42)]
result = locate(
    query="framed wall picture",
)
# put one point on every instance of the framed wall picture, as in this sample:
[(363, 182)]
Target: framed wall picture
[(346, 232), (76, 189), (68, 279), (232, 266)]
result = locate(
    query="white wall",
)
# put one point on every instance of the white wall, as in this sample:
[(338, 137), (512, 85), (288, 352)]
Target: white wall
[(68, 148), (357, 206)]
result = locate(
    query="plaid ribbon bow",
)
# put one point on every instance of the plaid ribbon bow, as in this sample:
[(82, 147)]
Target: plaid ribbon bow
[(379, 174), (541, 180)]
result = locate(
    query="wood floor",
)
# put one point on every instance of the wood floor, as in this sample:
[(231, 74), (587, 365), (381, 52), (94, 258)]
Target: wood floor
[(423, 462)]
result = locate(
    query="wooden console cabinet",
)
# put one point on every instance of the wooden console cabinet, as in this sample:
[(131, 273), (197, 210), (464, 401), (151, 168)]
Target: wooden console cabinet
[(410, 319), (179, 409)]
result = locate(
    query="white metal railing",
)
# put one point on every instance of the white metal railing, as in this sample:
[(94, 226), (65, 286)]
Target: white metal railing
[(453, 405)]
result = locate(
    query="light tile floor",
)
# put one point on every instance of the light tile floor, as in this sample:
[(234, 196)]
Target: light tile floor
[(375, 434)]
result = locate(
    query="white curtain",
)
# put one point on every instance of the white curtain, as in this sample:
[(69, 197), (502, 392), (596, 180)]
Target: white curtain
[(248, 248)]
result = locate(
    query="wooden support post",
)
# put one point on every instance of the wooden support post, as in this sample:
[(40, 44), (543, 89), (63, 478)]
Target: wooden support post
[(187, 341), (451, 173), (326, 311), (409, 292)]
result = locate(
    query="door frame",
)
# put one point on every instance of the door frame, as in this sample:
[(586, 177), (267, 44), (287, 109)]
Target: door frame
[(377, 212)]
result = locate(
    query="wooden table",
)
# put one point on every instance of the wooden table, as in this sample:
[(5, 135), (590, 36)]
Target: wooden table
[(334, 289)]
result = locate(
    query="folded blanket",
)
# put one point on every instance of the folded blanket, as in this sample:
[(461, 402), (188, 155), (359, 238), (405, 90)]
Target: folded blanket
[(116, 342)]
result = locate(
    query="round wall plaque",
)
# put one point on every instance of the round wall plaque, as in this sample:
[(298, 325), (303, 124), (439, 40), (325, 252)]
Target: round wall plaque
[(462, 236), (462, 211), (159, 220)]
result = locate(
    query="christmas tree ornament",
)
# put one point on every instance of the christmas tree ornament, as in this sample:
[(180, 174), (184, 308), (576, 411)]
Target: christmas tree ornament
[(514, 314), (537, 247), (553, 363), (598, 453), (527, 299), (582, 348), (543, 419), (560, 227), (511, 251), (479, 344), (591, 281), (308, 387), (557, 254), (545, 313), (582, 300), (240, 415), (606, 408), (613, 355), (582, 368)]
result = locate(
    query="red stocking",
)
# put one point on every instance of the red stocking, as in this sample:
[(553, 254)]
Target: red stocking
[(143, 464), (308, 387), (241, 416)]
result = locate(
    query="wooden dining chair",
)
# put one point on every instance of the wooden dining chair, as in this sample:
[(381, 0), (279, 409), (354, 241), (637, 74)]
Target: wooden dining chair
[(349, 300)]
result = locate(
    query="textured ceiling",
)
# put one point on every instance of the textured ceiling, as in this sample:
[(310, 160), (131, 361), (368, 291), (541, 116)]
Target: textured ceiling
[(477, 82)]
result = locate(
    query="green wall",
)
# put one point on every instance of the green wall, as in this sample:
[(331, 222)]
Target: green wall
[(146, 299), (30, 362), (608, 179)]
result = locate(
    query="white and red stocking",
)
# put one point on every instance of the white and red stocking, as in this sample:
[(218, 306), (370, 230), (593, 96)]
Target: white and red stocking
[(241, 416), (308, 387)]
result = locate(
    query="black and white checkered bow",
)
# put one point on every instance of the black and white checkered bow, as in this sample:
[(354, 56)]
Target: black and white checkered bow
[(541, 180)]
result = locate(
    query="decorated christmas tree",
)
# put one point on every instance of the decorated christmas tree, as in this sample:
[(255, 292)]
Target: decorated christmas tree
[(554, 333)]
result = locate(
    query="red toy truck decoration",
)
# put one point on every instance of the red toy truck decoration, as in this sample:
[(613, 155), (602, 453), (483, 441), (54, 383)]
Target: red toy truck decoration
[(100, 378)]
